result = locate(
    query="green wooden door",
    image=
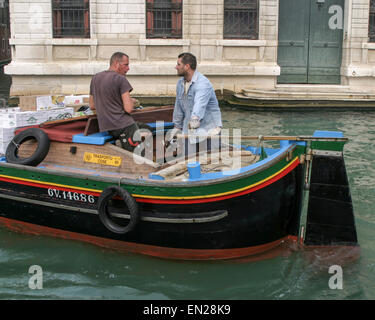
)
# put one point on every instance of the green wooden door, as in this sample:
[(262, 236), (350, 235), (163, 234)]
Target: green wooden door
[(293, 47), (310, 41)]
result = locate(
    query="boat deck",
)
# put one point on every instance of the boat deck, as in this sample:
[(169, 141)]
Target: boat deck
[(131, 167), (76, 146)]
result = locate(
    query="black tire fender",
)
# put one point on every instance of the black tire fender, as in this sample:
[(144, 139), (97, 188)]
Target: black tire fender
[(40, 153), (130, 204)]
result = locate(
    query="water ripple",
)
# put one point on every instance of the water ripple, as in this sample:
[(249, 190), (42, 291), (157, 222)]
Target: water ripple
[(74, 270)]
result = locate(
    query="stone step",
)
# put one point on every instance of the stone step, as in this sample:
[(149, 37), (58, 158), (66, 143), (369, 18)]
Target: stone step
[(307, 93), (312, 88)]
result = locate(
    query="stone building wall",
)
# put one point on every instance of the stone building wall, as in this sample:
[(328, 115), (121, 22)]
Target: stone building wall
[(42, 64), (358, 68)]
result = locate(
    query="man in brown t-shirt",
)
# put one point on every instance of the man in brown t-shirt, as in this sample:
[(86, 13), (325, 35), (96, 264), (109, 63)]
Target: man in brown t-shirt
[(110, 97)]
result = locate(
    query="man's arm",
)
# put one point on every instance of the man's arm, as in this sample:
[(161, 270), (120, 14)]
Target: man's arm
[(178, 115), (178, 112), (91, 102), (201, 99), (128, 102)]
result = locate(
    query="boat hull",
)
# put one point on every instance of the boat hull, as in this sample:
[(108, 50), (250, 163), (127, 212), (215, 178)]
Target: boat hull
[(223, 219)]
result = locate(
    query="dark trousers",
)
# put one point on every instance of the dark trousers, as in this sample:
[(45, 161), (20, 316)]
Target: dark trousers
[(126, 137)]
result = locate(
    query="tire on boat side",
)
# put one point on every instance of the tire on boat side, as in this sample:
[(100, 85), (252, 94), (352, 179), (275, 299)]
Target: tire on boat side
[(130, 204), (40, 153)]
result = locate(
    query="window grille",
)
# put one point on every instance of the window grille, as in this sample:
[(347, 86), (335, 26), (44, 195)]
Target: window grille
[(5, 54), (71, 18), (241, 19), (371, 23), (4, 13), (164, 18)]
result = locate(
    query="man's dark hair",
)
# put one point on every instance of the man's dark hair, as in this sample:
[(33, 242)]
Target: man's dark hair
[(117, 56), (188, 58)]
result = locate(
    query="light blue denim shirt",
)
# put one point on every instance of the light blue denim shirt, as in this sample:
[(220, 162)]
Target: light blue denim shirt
[(200, 101)]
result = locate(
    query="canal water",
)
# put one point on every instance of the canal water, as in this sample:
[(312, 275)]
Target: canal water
[(75, 270)]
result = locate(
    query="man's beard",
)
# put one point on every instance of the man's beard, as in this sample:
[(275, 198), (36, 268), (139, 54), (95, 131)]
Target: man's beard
[(181, 74)]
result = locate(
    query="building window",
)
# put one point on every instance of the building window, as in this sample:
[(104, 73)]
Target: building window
[(371, 23), (240, 19), (5, 54), (4, 13), (71, 18), (164, 18)]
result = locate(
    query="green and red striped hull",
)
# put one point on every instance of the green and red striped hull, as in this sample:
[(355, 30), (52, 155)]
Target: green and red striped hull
[(228, 217)]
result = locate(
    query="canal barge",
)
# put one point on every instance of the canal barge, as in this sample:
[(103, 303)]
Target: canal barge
[(67, 180)]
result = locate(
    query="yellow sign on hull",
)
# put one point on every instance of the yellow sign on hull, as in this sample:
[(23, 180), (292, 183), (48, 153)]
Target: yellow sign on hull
[(102, 159)]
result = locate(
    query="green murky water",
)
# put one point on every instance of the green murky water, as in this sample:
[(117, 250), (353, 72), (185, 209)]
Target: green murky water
[(75, 270)]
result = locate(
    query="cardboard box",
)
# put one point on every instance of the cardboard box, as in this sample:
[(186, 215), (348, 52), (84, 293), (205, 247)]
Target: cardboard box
[(72, 100), (76, 101), (37, 103)]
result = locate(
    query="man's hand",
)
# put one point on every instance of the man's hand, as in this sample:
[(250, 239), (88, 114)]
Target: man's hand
[(214, 131), (137, 104), (194, 123), (171, 136)]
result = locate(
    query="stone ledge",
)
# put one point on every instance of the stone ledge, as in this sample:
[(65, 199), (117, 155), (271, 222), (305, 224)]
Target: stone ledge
[(136, 69), (148, 42), (241, 43), (307, 93), (55, 42), (164, 42), (355, 71)]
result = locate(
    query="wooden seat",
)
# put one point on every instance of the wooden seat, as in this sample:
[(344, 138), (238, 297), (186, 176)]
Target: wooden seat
[(92, 126)]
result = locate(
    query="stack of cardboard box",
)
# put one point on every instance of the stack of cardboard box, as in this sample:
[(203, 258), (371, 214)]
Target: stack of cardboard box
[(35, 110), (41, 103)]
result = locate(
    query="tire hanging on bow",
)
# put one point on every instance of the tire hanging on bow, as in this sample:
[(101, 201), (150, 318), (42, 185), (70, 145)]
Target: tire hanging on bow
[(40, 152)]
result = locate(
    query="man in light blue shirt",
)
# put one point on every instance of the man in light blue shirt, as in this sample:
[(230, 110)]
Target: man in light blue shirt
[(196, 110)]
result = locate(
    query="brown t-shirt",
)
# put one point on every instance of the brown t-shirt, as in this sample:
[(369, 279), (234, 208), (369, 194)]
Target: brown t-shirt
[(107, 87)]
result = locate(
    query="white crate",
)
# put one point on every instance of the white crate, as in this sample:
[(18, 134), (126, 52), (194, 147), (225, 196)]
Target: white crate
[(8, 120), (6, 134), (3, 147), (29, 118), (9, 110), (22, 119)]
